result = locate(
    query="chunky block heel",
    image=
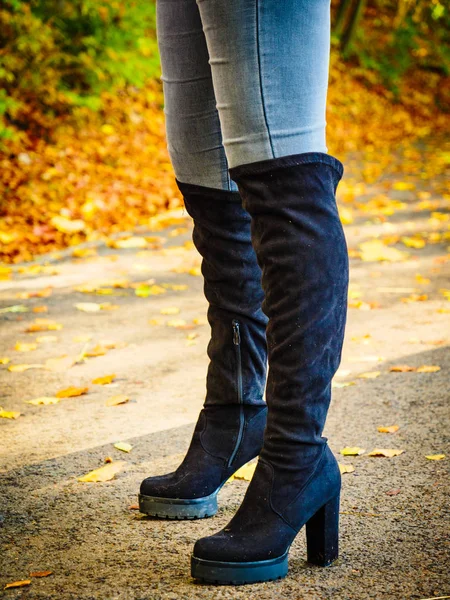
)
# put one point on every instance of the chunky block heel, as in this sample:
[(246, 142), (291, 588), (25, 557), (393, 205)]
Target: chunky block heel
[(322, 534)]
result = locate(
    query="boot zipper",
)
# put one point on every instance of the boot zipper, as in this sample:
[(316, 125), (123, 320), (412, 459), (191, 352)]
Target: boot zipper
[(237, 348)]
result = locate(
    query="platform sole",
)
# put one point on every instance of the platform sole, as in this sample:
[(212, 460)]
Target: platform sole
[(177, 508), (238, 573)]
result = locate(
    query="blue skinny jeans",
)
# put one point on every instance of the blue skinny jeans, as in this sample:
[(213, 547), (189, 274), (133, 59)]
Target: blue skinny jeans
[(243, 81)]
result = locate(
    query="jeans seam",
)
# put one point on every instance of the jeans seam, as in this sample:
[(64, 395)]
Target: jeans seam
[(258, 53)]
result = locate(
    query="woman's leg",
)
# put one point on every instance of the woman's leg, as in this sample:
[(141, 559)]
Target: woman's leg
[(269, 63), (230, 428), (194, 136), (277, 55)]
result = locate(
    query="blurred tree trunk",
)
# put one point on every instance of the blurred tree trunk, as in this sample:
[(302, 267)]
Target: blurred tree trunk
[(348, 34), (341, 16)]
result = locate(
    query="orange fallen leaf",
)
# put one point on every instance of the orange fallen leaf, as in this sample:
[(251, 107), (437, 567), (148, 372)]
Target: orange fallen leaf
[(16, 584), (393, 492), (45, 293), (119, 399), (105, 473), (402, 369), (133, 507), (40, 309), (43, 325), (41, 573), (72, 392), (388, 429)]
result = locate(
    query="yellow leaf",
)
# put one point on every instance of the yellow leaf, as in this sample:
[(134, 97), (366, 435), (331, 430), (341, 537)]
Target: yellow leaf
[(131, 242), (82, 338), (119, 399), (107, 129), (375, 250), (4, 360), (341, 384), (104, 380), (428, 369), (411, 242), (66, 225), (43, 325), (25, 347), (370, 375), (21, 368), (88, 306), (245, 472), (345, 215), (71, 392), (388, 429), (200, 321), (435, 456), (422, 280), (388, 452), (105, 473), (352, 451), (123, 446), (195, 271), (176, 323), (403, 185), (16, 584), (43, 400), (346, 468), (145, 290), (98, 350), (9, 414), (170, 310)]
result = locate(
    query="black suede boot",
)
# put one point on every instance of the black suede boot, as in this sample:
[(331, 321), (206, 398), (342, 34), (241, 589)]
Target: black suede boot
[(301, 249), (230, 428)]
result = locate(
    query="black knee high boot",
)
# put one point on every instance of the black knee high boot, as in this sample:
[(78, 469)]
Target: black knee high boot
[(300, 245), (230, 428)]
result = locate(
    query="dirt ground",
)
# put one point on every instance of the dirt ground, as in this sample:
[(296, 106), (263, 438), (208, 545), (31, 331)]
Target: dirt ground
[(395, 541)]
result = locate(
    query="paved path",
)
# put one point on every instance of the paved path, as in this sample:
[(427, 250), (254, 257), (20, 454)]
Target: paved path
[(395, 513)]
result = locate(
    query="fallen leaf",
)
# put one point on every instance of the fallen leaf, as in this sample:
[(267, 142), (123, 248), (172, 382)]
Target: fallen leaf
[(346, 468), (422, 280), (9, 414), (403, 185), (388, 452), (16, 584), (67, 225), (104, 380), (375, 250), (15, 308), (245, 472), (98, 350), (133, 507), (105, 473), (352, 451), (45, 293), (428, 369), (4, 360), (131, 242), (369, 375), (145, 290), (435, 456), (82, 338), (402, 369), (195, 271), (170, 310), (41, 573), (72, 392), (123, 446), (88, 306), (388, 429), (40, 309), (43, 400), (411, 242), (119, 399), (176, 323), (393, 492), (43, 325), (21, 368), (108, 459), (20, 347)]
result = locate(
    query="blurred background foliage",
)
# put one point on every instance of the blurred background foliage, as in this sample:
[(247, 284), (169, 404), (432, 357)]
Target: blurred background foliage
[(82, 126)]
